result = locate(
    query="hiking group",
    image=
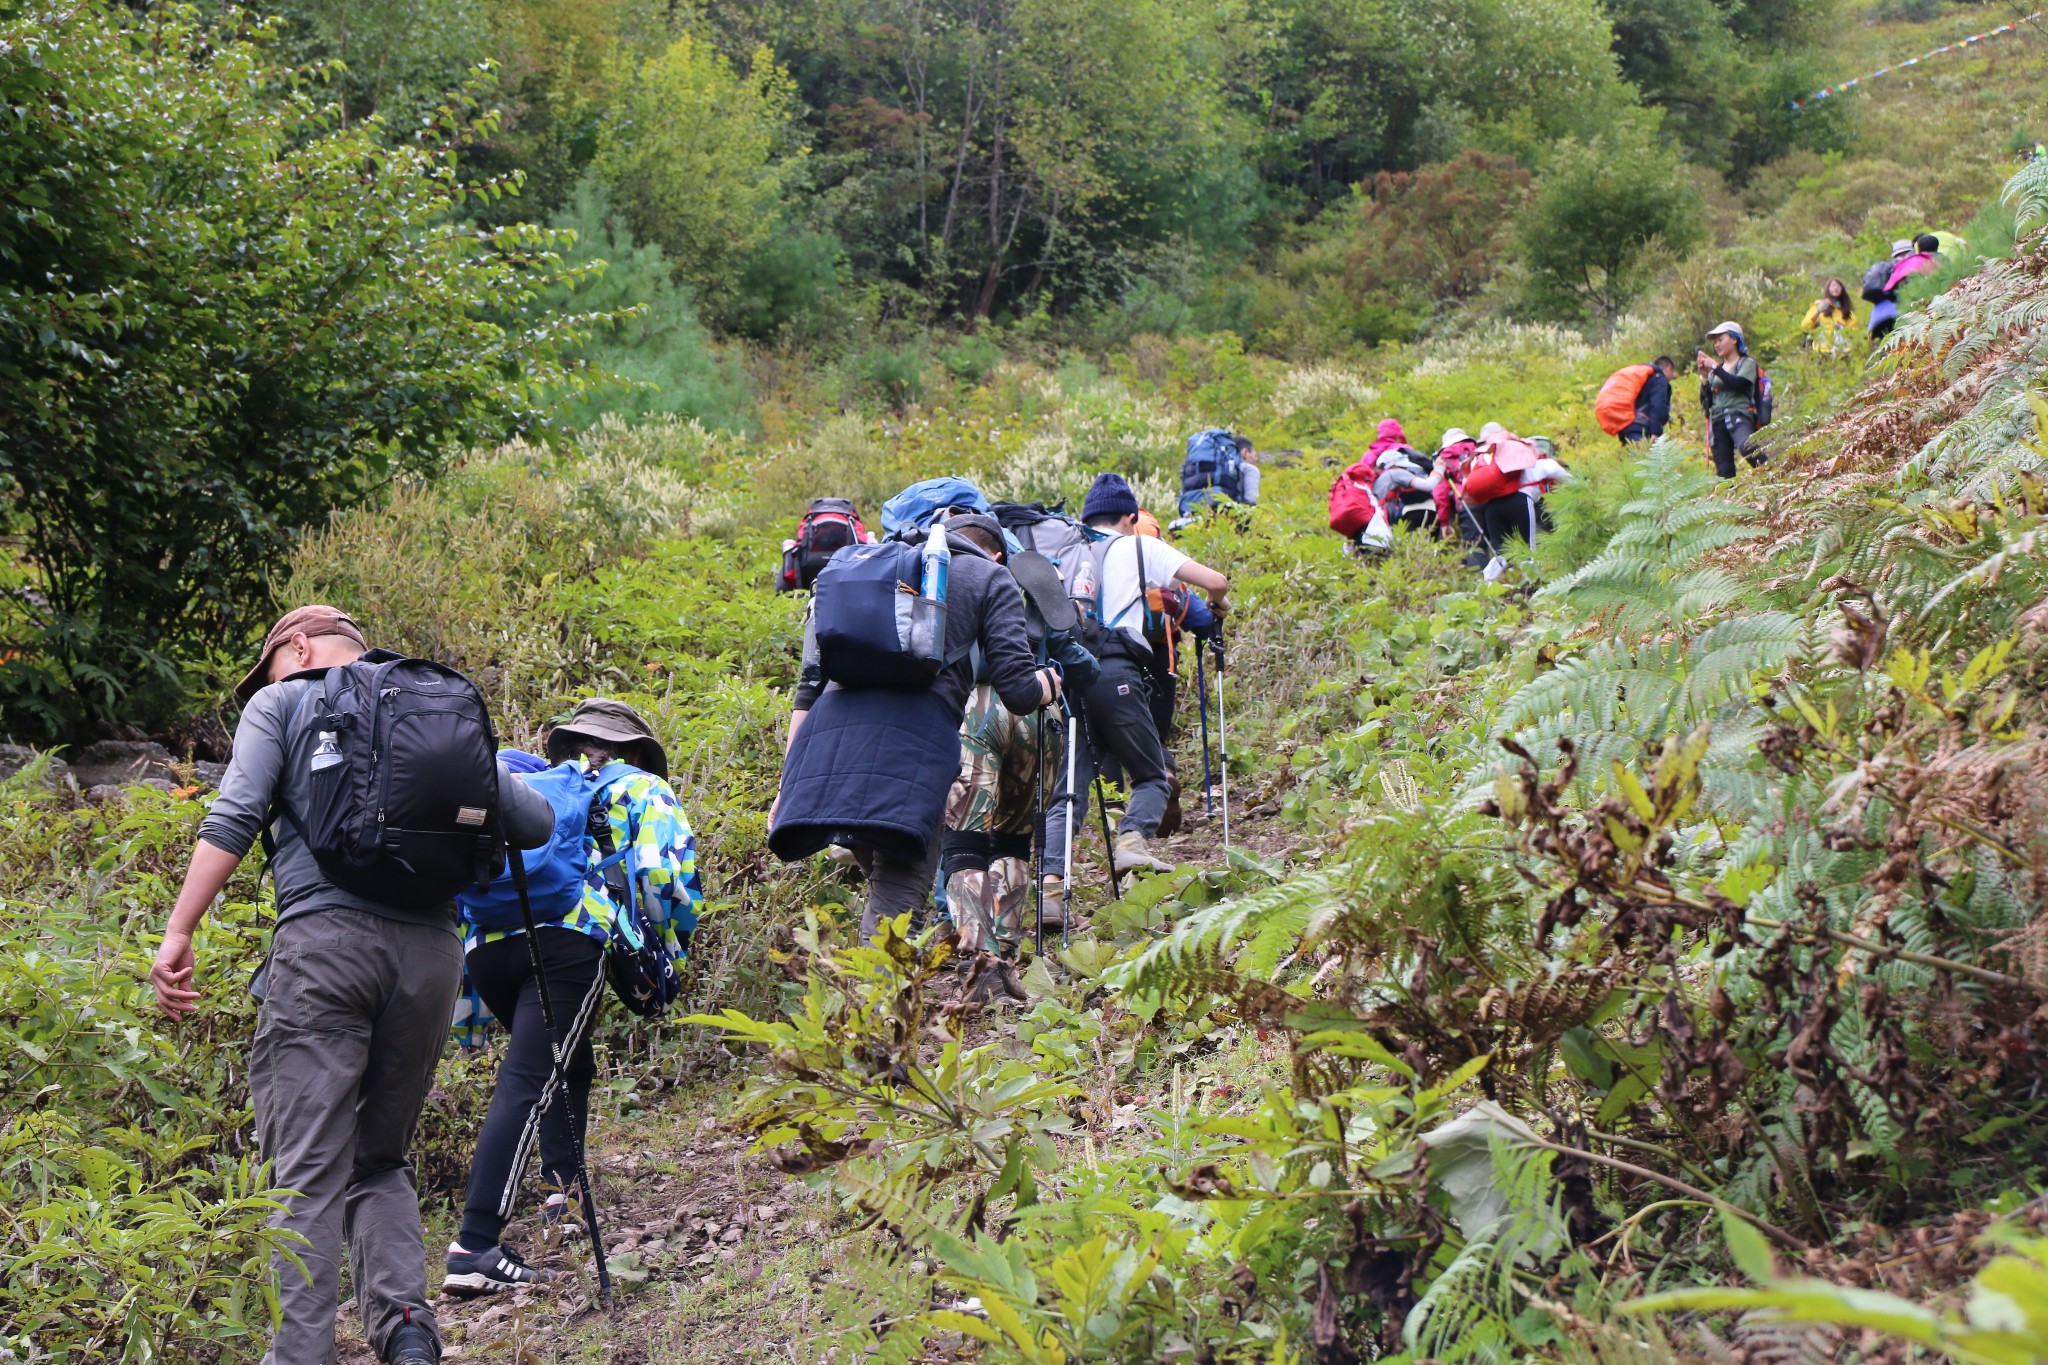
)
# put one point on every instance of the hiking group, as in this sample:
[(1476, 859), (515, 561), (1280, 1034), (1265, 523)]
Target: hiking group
[(403, 847), (1481, 491), (428, 884), (968, 679)]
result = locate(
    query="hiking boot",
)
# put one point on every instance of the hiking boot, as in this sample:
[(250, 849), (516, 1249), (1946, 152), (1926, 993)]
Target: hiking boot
[(1171, 821), (471, 1273), (558, 1219), (412, 1344), (986, 978), (1052, 893), (1133, 853)]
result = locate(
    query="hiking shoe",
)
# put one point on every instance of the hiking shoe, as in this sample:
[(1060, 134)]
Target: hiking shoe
[(1052, 893), (558, 1219), (1134, 854), (486, 1272), (412, 1344), (1171, 821), (987, 978)]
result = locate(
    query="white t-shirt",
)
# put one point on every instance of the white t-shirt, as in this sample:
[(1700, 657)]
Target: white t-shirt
[(1119, 592)]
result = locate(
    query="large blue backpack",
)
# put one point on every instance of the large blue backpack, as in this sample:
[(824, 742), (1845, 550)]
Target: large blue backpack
[(873, 628), (1213, 466), (913, 508), (555, 872)]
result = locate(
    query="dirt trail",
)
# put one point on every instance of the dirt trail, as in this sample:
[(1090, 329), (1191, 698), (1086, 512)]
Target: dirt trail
[(724, 1258)]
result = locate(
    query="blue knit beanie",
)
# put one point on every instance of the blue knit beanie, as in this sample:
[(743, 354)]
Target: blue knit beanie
[(1109, 496)]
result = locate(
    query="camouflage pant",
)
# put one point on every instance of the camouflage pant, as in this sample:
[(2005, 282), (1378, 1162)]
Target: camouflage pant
[(995, 793)]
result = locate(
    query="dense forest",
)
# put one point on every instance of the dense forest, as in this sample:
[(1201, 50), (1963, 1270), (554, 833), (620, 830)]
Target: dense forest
[(1635, 957)]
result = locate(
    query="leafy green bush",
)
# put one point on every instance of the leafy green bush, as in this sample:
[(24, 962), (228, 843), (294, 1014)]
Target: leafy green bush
[(1603, 208), (893, 374), (136, 1212), (223, 313), (695, 153), (790, 286), (972, 357)]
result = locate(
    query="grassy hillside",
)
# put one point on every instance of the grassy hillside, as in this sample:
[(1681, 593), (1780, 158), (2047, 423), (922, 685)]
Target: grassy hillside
[(1742, 937)]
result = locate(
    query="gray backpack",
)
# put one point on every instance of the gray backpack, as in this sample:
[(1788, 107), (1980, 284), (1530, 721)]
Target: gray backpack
[(1047, 531)]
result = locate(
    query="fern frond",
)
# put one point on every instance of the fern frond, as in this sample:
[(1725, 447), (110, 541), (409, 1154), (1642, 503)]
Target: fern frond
[(1260, 928), (2027, 195), (1597, 685), (1727, 656)]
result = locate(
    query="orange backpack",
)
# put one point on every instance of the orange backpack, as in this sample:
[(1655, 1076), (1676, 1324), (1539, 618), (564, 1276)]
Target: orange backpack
[(1615, 407)]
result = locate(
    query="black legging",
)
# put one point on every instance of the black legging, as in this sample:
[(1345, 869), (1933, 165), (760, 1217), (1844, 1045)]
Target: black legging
[(1514, 514), (503, 975), (1728, 436)]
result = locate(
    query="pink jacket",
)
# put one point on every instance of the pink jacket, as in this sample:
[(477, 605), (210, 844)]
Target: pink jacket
[(1919, 263), (1390, 435), (1454, 457)]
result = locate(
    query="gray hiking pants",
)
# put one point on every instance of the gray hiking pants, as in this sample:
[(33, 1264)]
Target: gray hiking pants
[(355, 1013), (897, 887), (1118, 723)]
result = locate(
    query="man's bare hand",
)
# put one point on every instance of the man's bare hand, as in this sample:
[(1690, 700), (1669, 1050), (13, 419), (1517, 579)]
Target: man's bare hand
[(171, 974)]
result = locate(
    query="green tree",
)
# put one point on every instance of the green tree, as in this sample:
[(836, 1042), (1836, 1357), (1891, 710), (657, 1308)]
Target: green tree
[(1515, 75), (1602, 205), (395, 57), (222, 315), (695, 153), (658, 345)]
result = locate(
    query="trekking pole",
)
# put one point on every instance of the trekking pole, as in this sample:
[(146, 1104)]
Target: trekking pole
[(558, 1075), (1067, 854), (1038, 844), (1202, 692), (1116, 889), (1223, 752)]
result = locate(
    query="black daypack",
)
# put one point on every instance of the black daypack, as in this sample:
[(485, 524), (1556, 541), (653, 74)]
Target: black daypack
[(404, 804), (1874, 280), (829, 525)]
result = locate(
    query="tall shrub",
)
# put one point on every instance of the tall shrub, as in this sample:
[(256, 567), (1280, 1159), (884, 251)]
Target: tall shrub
[(695, 154), (1603, 204), (221, 315)]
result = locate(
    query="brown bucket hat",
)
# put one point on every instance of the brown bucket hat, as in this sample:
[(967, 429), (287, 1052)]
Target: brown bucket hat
[(615, 723), (311, 622)]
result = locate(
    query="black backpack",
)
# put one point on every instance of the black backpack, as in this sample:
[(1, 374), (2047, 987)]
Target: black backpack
[(829, 525), (1874, 281), (404, 805)]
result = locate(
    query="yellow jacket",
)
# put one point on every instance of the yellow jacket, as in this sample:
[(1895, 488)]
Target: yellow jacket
[(1820, 318)]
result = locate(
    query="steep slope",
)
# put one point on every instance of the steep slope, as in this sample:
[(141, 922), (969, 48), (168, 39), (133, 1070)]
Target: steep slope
[(1220, 1152)]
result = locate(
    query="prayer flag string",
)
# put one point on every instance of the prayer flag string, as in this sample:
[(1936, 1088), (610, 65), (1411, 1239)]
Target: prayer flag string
[(1851, 84)]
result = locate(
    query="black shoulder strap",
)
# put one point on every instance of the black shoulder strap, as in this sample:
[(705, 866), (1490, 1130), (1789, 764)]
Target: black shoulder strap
[(278, 808)]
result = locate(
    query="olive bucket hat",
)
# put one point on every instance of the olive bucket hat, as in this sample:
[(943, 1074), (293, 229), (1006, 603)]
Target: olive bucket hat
[(614, 722)]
